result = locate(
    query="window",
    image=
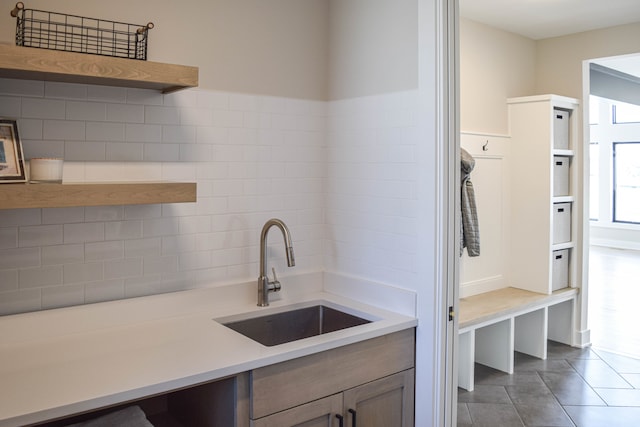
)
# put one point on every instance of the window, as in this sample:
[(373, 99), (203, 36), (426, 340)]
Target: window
[(626, 182), (594, 181), (626, 113)]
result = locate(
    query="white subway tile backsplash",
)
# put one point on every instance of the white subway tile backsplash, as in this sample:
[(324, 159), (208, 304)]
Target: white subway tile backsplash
[(108, 250), (94, 111), (62, 215), (19, 258), (62, 254), (105, 290), (120, 269), (141, 286), (144, 96), (83, 150), (22, 87), (160, 265), (65, 90), (123, 230), (63, 130), (196, 153), (8, 237), (196, 117), (62, 296), (106, 94), (138, 248), (85, 272), (42, 108), (10, 106), (33, 148), (30, 129), (158, 227), (125, 151), (172, 245), (125, 113), (104, 131), (103, 213), (142, 211), (40, 277), (84, 232), (189, 261), (253, 157), (161, 115), (8, 281), (228, 119), (179, 134), (135, 132), (20, 301), (182, 98), (40, 235), (161, 152)]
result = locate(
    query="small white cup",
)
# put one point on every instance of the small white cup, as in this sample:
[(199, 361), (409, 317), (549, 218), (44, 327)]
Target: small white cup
[(46, 169)]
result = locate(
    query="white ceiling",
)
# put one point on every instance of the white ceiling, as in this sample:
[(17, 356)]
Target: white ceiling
[(540, 19)]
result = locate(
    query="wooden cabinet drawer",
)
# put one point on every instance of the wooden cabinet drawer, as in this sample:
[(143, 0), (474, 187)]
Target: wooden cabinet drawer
[(284, 385)]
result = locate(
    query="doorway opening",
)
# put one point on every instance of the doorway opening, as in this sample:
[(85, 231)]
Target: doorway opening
[(613, 188)]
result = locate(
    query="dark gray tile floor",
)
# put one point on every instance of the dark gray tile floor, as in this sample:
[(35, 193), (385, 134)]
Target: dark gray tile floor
[(573, 388)]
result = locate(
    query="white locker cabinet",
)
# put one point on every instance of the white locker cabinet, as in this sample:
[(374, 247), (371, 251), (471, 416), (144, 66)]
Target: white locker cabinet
[(561, 223), (544, 198), (560, 129), (560, 269), (560, 176)]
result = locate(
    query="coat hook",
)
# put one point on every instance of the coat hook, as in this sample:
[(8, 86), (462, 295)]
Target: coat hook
[(485, 147)]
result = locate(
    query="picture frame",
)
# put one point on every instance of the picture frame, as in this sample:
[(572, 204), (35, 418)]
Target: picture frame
[(11, 154)]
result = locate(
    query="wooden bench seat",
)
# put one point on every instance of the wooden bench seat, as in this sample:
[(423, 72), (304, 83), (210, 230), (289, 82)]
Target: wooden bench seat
[(494, 324)]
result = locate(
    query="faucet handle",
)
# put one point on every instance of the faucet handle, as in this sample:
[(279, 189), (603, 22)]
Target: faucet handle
[(275, 283)]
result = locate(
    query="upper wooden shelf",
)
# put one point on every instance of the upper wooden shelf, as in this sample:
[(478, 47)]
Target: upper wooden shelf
[(18, 196), (41, 64)]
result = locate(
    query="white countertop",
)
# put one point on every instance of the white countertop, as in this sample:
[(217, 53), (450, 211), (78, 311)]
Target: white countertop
[(59, 362)]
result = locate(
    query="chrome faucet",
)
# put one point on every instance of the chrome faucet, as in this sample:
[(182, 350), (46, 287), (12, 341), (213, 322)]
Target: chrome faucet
[(264, 284)]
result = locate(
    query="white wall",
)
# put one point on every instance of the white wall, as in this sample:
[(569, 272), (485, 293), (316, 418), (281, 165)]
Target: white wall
[(494, 65), (241, 46), (373, 46)]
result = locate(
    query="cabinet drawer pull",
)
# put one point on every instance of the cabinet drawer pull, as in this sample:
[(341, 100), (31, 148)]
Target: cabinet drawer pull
[(353, 417), (340, 420)]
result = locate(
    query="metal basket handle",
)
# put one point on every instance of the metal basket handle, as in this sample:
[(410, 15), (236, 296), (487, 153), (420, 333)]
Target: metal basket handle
[(146, 28), (17, 9)]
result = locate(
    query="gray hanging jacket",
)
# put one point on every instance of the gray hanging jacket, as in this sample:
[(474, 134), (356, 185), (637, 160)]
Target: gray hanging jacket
[(470, 234)]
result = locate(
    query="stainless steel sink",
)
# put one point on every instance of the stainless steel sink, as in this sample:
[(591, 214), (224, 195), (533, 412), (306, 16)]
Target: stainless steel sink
[(293, 325)]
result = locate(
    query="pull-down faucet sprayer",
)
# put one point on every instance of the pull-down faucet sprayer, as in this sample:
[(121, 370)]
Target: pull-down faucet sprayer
[(264, 284)]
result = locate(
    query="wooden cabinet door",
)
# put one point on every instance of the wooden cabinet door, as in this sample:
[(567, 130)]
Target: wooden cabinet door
[(387, 402), (319, 413)]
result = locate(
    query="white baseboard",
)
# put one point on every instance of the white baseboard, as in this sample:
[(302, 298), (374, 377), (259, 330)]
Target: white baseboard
[(618, 244), (475, 287)]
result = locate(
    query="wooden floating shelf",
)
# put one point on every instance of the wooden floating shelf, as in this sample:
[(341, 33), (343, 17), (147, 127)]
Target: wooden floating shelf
[(19, 196), (28, 63)]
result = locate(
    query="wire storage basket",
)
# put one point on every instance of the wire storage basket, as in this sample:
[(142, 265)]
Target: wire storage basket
[(72, 33)]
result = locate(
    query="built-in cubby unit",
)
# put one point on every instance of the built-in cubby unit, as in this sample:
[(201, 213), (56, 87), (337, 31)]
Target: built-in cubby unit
[(544, 200)]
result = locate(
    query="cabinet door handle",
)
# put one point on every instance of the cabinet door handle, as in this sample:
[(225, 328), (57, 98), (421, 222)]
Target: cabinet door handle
[(353, 417), (340, 420)]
